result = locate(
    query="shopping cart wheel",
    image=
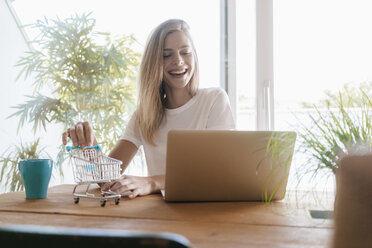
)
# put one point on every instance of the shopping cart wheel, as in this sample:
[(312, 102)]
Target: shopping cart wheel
[(103, 203), (117, 201), (76, 200)]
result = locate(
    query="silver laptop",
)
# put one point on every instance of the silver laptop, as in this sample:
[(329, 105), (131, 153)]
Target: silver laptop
[(227, 165)]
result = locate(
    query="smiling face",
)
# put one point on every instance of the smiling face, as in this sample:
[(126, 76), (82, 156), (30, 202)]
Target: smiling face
[(178, 61)]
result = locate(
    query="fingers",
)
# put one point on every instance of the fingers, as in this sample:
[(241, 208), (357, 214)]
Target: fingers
[(119, 186), (81, 135), (110, 186), (88, 130), (135, 186), (105, 187), (73, 136), (134, 194), (65, 135)]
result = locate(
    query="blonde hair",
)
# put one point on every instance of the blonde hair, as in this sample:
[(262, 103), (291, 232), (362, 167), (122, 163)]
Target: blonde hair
[(151, 103)]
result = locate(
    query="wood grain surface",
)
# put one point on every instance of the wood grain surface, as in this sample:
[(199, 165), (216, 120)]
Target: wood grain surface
[(205, 224)]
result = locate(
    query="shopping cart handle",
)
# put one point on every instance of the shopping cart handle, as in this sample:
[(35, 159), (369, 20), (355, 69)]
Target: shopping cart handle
[(69, 148)]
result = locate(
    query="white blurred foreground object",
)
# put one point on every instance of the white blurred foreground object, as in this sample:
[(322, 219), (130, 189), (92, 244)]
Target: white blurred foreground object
[(90, 166), (353, 205)]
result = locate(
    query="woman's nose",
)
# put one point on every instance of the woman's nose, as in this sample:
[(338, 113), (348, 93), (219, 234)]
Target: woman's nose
[(178, 60)]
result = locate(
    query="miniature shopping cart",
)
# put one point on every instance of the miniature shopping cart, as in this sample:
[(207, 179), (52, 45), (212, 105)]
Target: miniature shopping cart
[(90, 166)]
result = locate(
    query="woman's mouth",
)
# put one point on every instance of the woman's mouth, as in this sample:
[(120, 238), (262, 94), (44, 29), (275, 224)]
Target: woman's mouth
[(178, 73)]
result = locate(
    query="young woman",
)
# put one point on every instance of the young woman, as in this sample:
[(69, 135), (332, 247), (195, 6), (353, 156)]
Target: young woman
[(169, 98)]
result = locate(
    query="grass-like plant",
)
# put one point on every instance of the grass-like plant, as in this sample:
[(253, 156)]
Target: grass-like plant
[(278, 151), (92, 77), (349, 91), (9, 176), (335, 132)]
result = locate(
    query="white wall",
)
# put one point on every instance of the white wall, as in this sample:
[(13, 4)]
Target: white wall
[(12, 47)]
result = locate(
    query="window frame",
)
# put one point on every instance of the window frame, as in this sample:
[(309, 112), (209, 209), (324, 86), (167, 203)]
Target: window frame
[(264, 60), (264, 57)]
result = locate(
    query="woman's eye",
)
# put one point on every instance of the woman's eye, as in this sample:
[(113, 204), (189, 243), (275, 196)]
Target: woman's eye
[(166, 56)]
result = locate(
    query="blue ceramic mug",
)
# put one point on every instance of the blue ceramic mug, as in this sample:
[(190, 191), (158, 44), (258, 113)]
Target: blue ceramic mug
[(36, 175)]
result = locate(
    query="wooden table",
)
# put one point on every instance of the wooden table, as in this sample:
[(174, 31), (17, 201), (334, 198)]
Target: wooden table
[(212, 224)]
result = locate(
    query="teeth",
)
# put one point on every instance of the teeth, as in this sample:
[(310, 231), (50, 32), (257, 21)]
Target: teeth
[(178, 72)]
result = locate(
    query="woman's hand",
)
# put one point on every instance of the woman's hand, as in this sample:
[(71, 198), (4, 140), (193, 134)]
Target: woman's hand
[(137, 186), (81, 135)]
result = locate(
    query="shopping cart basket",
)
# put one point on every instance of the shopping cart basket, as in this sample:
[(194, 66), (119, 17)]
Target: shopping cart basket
[(90, 166)]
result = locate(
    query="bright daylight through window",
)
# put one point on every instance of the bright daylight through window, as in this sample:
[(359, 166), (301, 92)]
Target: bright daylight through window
[(319, 48), (136, 18)]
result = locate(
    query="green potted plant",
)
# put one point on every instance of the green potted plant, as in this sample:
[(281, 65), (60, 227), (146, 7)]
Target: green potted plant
[(9, 176), (91, 74), (278, 151), (340, 125)]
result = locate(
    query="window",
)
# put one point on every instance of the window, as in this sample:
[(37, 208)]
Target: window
[(132, 17), (139, 18), (284, 52), (246, 64), (318, 46)]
